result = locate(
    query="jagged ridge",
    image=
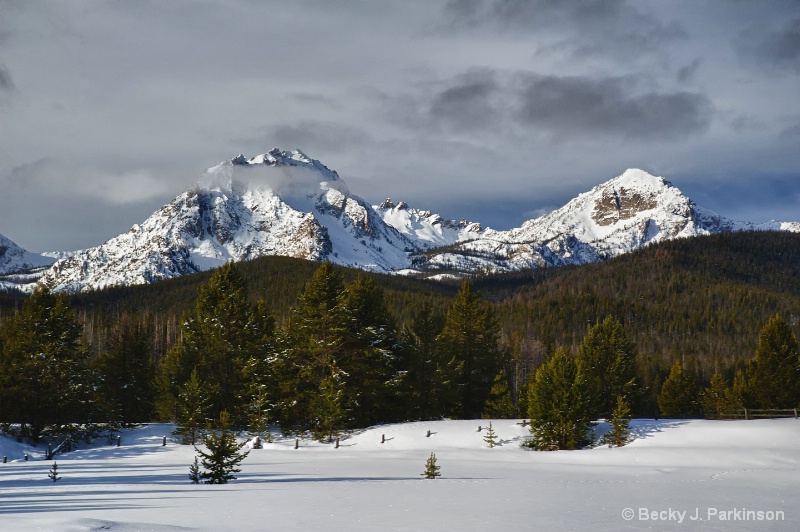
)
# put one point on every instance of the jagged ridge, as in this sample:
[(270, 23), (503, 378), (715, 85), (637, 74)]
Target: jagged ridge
[(285, 203)]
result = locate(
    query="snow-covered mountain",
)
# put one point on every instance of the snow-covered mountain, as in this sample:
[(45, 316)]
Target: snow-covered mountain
[(616, 217), (279, 203), (285, 203)]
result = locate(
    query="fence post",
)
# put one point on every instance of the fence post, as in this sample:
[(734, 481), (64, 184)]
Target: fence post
[(745, 414), (164, 442), (337, 442), (297, 443), (795, 412)]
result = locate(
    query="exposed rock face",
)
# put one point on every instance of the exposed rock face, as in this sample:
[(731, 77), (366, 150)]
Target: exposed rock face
[(285, 203)]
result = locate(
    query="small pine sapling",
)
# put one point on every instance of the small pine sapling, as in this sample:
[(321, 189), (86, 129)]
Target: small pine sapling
[(194, 472), (431, 469), (223, 456), (53, 474), (620, 421), (491, 437)]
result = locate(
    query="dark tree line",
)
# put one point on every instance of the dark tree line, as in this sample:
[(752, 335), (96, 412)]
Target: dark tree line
[(323, 348)]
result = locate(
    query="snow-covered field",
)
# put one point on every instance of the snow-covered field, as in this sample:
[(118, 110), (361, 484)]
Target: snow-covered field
[(676, 474)]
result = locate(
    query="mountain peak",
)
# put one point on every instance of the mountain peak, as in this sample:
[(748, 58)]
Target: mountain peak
[(636, 178)]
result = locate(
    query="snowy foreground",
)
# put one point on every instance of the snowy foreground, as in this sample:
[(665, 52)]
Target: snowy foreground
[(676, 474)]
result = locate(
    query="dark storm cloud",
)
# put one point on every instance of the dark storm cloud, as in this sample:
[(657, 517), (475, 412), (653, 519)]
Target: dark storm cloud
[(316, 136), (467, 104), (772, 50), (576, 105), (687, 73), (589, 27), (6, 83)]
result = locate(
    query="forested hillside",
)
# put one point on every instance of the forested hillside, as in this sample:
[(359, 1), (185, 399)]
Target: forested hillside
[(437, 348)]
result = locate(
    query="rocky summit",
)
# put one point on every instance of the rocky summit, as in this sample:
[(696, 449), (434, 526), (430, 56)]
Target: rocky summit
[(286, 203)]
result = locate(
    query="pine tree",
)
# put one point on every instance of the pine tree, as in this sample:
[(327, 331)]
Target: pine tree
[(619, 434), (192, 410), (432, 470), (310, 343), (194, 472), (490, 438), (369, 355), (429, 378), (774, 373), (737, 396), (326, 406), (223, 456), (471, 339), (217, 339), (127, 371), (44, 372), (53, 474), (679, 395), (715, 397), (499, 405), (608, 357), (559, 405)]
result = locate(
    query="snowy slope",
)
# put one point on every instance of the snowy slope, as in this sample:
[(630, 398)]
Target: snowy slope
[(690, 472), (624, 214), (14, 259), (20, 268), (285, 203), (279, 203), (427, 229)]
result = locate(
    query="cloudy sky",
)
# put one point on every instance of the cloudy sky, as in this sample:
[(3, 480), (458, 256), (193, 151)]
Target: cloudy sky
[(493, 110)]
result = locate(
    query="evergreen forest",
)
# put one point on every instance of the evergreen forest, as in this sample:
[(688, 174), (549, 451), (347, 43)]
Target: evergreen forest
[(705, 326)]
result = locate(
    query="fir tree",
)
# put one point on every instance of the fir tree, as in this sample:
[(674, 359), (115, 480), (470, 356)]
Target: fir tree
[(499, 405), (192, 410), (559, 405), (716, 397), (44, 372), (53, 474), (326, 406), (194, 472), (679, 395), (774, 373), (430, 380), (127, 372), (619, 434), (310, 343), (369, 355), (223, 456), (737, 395), (217, 339), (471, 339), (490, 438), (432, 470), (608, 357)]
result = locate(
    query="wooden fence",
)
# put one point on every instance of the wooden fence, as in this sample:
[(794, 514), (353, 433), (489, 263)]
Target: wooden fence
[(760, 413)]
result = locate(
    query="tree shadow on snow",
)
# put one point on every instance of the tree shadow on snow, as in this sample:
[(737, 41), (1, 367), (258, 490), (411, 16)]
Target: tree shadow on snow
[(640, 429)]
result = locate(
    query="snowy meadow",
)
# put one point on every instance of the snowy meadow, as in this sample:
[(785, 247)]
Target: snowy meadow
[(697, 474)]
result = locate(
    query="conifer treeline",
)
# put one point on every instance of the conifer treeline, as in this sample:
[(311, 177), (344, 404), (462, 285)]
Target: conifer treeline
[(326, 347)]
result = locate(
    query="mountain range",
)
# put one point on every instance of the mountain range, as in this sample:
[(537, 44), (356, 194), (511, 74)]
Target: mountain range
[(285, 203)]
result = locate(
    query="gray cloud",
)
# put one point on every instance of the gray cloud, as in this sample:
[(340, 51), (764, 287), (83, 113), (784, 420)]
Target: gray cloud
[(473, 108), (316, 136), (607, 106), (6, 82), (687, 73), (772, 50), (587, 28), (467, 104)]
